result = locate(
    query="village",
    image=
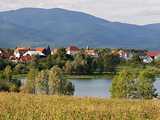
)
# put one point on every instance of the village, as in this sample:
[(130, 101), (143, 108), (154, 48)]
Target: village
[(26, 54)]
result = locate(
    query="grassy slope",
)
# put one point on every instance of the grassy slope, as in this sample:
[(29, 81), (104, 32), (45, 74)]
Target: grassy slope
[(29, 107)]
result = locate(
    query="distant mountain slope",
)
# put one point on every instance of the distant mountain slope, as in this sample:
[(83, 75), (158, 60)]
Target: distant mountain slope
[(59, 27), (12, 35)]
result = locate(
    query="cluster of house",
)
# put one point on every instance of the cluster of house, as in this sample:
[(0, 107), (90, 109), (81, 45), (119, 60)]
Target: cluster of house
[(22, 54), (72, 50), (146, 56)]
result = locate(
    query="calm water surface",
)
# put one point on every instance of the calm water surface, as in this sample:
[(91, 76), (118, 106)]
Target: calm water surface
[(98, 87), (157, 85), (94, 87)]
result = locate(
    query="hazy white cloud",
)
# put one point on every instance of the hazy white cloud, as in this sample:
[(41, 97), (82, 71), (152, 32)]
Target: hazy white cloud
[(130, 11)]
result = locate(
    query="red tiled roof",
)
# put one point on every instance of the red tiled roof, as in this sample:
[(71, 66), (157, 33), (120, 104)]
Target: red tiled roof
[(22, 49), (40, 49), (153, 53), (26, 58), (73, 48)]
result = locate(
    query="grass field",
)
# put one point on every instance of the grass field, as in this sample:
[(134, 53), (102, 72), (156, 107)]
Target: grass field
[(41, 107)]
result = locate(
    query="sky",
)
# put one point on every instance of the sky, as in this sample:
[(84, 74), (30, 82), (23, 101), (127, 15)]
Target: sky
[(127, 11)]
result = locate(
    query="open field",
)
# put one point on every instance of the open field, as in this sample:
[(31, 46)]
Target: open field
[(41, 107)]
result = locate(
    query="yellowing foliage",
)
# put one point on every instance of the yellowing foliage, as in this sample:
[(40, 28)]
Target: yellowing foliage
[(42, 107)]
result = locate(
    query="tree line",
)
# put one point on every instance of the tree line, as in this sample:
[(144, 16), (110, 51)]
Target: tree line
[(50, 82), (46, 76)]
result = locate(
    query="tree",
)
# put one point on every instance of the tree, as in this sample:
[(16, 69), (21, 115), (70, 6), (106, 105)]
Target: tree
[(42, 82), (9, 85), (128, 84), (4, 63), (110, 62), (4, 86), (30, 86), (57, 84), (121, 85), (8, 73), (135, 61), (145, 85), (13, 87), (68, 68), (49, 82), (21, 68), (80, 65), (107, 62), (48, 51)]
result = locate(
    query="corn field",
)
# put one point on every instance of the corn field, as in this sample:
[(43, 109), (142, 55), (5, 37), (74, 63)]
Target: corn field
[(42, 107)]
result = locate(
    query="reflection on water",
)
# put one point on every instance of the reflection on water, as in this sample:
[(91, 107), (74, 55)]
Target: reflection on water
[(98, 87), (157, 85), (95, 87)]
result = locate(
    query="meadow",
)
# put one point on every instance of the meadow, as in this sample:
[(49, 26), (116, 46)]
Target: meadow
[(42, 107)]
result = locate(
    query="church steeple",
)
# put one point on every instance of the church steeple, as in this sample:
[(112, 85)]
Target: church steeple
[(87, 47)]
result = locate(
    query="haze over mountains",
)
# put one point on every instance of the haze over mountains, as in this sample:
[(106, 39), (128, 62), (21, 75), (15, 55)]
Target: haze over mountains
[(59, 28)]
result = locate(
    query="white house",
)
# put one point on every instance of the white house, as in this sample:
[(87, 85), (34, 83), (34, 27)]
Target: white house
[(72, 50), (91, 52), (33, 52), (125, 54), (147, 59), (20, 51)]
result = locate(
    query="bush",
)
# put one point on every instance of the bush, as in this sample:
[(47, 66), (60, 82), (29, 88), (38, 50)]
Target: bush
[(128, 84), (21, 69)]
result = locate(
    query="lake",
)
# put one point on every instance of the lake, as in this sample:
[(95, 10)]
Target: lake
[(95, 87), (98, 87)]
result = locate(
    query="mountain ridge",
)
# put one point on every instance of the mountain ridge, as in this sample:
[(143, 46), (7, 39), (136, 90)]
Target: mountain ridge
[(59, 28)]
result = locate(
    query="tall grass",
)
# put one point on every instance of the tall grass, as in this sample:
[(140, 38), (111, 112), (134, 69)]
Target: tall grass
[(41, 107)]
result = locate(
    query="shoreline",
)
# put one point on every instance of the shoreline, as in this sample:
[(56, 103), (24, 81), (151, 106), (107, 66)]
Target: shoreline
[(90, 76), (82, 77)]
